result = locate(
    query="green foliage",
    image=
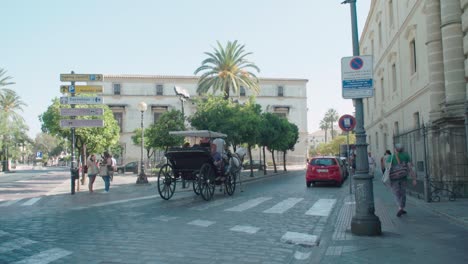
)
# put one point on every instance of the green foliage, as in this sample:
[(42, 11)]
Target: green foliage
[(96, 139), (333, 147), (225, 69)]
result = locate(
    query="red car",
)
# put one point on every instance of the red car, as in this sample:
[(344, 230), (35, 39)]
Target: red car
[(325, 169)]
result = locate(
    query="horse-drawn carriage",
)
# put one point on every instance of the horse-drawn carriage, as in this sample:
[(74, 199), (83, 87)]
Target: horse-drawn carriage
[(196, 164)]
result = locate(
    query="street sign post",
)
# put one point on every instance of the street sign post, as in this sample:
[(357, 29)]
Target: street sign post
[(81, 123), (357, 77), (65, 77), (80, 89), (81, 111), (347, 122), (81, 100)]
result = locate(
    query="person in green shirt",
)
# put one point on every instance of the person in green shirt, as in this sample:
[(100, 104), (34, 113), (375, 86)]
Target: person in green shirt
[(399, 185)]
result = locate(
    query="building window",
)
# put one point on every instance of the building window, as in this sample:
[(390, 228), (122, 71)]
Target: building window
[(382, 88), (159, 89), (413, 56), (380, 34), (394, 77), (377, 140), (118, 116), (157, 112), (390, 12), (368, 106), (385, 140), (372, 47), (280, 91), (281, 111), (396, 128), (116, 88), (370, 140), (416, 120), (242, 91)]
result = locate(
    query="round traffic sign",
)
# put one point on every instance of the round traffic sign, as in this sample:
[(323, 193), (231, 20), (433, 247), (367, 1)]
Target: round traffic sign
[(356, 63), (347, 122)]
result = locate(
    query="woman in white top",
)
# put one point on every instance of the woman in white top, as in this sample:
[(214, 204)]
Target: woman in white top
[(93, 170)]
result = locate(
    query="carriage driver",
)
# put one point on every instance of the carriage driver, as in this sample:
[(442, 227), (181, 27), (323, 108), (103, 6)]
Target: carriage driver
[(217, 152)]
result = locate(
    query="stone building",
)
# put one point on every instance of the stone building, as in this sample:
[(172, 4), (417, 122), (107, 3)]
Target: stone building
[(122, 93), (420, 67)]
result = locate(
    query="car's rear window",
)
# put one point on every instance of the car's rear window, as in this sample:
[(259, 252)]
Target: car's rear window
[(323, 162)]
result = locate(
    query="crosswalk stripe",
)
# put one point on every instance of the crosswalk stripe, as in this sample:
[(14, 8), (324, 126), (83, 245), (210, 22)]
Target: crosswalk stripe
[(249, 204), (283, 206), (8, 203), (31, 201), (15, 244), (203, 223), (299, 239), (322, 207), (245, 229), (45, 257)]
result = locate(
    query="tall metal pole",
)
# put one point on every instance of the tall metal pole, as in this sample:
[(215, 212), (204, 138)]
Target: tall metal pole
[(142, 177), (73, 167), (364, 222), (348, 163)]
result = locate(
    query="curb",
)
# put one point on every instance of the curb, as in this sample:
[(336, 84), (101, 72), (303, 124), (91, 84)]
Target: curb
[(428, 207)]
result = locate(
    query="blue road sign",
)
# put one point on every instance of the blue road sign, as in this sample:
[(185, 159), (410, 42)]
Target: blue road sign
[(71, 89)]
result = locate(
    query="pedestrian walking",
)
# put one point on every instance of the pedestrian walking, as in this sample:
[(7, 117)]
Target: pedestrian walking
[(371, 161), (93, 170), (105, 172), (401, 166), (383, 160)]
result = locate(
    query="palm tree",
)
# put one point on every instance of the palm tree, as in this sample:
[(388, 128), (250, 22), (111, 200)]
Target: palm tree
[(324, 126), (225, 69), (4, 80), (331, 116), (10, 104)]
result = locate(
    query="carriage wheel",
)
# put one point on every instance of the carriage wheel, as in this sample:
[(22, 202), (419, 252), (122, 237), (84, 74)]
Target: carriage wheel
[(166, 182), (207, 181), (230, 183), (196, 184)]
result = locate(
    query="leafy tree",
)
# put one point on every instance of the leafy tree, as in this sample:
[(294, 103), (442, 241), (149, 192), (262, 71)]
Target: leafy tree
[(333, 147), (88, 139), (226, 69), (4, 80), (46, 143), (270, 135), (331, 116), (289, 140)]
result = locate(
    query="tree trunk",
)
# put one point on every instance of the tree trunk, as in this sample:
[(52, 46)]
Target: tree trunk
[(326, 130), (264, 162), (249, 148), (274, 162), (284, 161)]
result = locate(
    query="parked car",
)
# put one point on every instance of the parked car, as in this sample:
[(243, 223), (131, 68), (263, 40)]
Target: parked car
[(256, 165), (325, 169), (129, 167)]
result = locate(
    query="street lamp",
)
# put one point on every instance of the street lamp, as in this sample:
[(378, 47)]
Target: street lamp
[(364, 222), (183, 96), (142, 176)]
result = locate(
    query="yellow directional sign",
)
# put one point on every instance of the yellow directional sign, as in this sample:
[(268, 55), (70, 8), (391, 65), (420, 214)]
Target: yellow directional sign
[(68, 77), (80, 89)]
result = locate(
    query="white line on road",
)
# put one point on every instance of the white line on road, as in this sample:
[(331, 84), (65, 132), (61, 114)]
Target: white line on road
[(116, 202), (283, 206), (203, 223), (299, 239), (245, 229), (165, 218), (45, 257), (249, 204), (31, 201), (9, 203), (15, 244), (301, 255), (322, 207)]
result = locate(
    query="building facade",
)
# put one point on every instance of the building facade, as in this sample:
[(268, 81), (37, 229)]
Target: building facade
[(420, 49), (122, 93)]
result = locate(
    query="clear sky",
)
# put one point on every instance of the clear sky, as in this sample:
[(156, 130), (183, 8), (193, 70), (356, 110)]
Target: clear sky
[(289, 39)]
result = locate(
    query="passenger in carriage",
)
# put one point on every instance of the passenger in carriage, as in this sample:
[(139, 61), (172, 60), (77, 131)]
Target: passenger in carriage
[(217, 161)]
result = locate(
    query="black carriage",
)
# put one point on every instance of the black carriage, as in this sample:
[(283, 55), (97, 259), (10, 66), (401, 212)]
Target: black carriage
[(196, 165)]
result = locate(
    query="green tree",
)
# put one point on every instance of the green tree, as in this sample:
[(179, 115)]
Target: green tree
[(333, 147), (4, 80), (271, 134), (227, 69), (331, 116), (324, 127), (288, 141)]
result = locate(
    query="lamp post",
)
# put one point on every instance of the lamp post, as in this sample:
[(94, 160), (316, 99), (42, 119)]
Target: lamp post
[(183, 96), (142, 176), (364, 222)]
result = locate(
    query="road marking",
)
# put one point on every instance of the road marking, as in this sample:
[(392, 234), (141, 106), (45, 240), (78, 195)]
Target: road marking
[(283, 206), (15, 244), (203, 223), (322, 207), (301, 255), (299, 239), (45, 257), (116, 202), (31, 201), (9, 203), (212, 204), (245, 229), (249, 204), (165, 218)]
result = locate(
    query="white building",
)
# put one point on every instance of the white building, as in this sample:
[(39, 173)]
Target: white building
[(122, 93), (420, 68)]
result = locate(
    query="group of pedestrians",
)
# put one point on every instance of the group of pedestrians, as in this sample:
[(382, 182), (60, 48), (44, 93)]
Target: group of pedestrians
[(105, 169)]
